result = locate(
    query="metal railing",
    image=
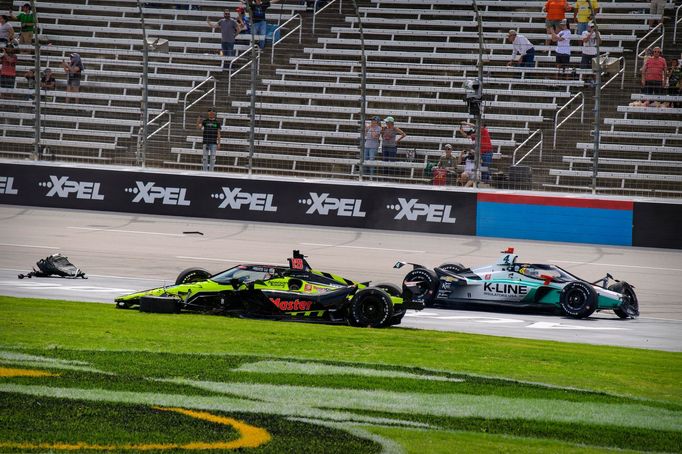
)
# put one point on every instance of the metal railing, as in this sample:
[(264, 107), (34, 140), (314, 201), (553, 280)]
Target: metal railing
[(639, 54), (539, 144), (318, 11), (621, 73), (241, 68), (581, 108), (677, 21), (299, 27), (165, 125), (185, 107)]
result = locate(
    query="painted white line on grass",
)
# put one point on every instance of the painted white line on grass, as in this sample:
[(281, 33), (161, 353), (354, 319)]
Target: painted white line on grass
[(617, 265), (362, 247), (35, 246), (139, 232)]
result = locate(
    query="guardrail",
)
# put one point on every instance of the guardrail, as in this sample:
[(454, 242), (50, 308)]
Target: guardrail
[(580, 108), (677, 21), (299, 27), (185, 107), (244, 66), (318, 11), (621, 72), (165, 125), (539, 144), (639, 54)]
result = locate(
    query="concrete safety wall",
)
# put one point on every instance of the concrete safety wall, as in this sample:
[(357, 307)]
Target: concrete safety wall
[(296, 201)]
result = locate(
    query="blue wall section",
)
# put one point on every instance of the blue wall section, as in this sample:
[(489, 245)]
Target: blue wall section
[(554, 223)]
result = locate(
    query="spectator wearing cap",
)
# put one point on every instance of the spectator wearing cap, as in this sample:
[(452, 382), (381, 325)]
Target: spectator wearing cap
[(448, 163), (590, 38), (555, 13), (229, 29), (243, 19), (654, 73), (522, 48), (563, 49), (583, 15), (27, 19), (6, 30), (74, 70), (372, 137), (469, 130), (390, 138), (211, 139)]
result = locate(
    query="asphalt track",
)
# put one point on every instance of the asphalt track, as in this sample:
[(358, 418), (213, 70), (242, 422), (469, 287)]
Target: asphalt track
[(126, 252)]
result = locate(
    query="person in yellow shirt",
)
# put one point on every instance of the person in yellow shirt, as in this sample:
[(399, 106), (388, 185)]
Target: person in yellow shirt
[(583, 15)]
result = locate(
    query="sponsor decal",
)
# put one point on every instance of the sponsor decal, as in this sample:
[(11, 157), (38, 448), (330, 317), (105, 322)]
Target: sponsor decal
[(236, 199), (63, 187), (148, 192), (323, 204), (412, 210), (490, 288), (281, 284), (6, 186), (297, 264), (487, 277), (314, 288), (296, 305), (445, 285)]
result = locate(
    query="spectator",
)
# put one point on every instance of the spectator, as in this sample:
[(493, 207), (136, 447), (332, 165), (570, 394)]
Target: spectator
[(6, 31), (657, 8), (260, 25), (469, 130), (563, 50), (590, 38), (390, 138), (523, 48), (8, 72), (372, 135), (74, 70), (556, 12), (27, 20), (229, 29), (468, 160), (583, 16), (211, 139), (448, 164), (243, 20), (30, 76), (654, 73), (47, 82), (674, 78)]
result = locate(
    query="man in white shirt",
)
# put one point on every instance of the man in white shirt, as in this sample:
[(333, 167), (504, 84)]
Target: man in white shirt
[(563, 49), (523, 48), (590, 38)]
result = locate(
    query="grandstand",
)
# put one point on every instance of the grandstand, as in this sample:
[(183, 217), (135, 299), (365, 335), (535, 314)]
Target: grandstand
[(307, 116)]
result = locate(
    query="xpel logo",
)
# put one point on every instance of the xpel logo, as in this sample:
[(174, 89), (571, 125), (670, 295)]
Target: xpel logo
[(323, 204), (235, 198), (412, 211), (150, 193), (6, 186), (63, 187)]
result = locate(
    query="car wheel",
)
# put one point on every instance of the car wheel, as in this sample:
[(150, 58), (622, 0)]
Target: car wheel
[(453, 267), (420, 285), (630, 306), (122, 305), (370, 307), (192, 275), (578, 299), (159, 305), (389, 288)]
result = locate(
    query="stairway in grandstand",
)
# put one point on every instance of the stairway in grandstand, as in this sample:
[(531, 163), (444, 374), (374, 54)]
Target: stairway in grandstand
[(103, 125)]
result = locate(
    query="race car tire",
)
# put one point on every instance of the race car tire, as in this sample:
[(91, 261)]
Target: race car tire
[(370, 307), (578, 299), (453, 267), (122, 305), (192, 275), (426, 289), (389, 288), (159, 305), (630, 307)]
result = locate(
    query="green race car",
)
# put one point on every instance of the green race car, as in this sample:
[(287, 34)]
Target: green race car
[(293, 292)]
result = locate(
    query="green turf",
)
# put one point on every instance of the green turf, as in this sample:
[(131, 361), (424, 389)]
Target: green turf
[(304, 383)]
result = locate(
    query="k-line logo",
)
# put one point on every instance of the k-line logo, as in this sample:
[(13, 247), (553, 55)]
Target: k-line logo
[(150, 193), (235, 198), (412, 210), (323, 204), (6, 186), (63, 187)]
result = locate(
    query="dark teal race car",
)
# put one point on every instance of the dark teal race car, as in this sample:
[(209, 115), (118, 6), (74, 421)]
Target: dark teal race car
[(293, 292)]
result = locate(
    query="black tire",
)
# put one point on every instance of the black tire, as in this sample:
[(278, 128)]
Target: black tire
[(371, 307), (630, 306), (426, 288), (122, 305), (389, 288), (159, 305), (578, 299), (192, 275), (452, 267)]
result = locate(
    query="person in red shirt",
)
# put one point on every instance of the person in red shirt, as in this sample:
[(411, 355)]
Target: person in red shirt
[(8, 73), (556, 12), (469, 130), (653, 73)]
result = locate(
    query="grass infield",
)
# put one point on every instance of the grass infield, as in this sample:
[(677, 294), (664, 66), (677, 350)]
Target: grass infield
[(89, 378)]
